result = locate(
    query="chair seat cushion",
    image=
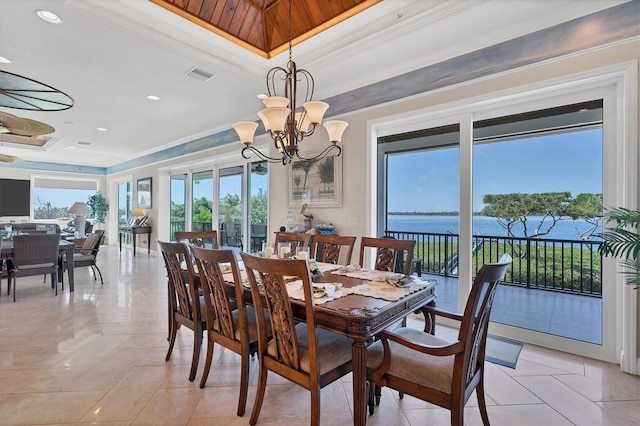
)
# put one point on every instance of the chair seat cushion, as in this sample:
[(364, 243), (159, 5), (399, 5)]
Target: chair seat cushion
[(428, 370), (36, 266), (251, 325), (333, 349), (82, 257)]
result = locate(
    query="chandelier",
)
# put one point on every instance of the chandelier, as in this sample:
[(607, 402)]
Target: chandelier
[(285, 121)]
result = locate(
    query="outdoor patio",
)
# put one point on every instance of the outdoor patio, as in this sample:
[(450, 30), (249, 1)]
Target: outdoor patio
[(574, 316)]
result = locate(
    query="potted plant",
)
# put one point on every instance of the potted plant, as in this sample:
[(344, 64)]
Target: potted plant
[(99, 207), (623, 241)]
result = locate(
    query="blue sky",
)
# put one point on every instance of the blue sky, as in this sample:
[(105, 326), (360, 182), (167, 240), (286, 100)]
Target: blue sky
[(428, 181)]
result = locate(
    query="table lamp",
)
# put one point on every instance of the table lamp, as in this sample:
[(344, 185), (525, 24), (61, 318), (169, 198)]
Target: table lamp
[(137, 213), (80, 210)]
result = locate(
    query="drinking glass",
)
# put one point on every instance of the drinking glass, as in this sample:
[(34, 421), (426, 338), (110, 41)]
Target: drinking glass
[(302, 253), (284, 250)]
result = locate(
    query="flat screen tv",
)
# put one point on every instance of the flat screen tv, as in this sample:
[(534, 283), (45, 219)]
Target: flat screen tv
[(15, 197)]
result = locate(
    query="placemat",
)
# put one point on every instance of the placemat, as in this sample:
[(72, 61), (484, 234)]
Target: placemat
[(381, 290)]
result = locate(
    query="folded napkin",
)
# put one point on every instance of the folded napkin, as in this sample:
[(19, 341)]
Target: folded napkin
[(350, 268), (398, 280), (325, 289)]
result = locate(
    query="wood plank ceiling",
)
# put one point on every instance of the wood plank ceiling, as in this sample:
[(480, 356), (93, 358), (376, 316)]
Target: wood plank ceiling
[(262, 25)]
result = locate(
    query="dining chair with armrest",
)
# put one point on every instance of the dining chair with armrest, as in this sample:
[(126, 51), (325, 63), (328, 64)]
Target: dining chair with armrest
[(336, 249), (87, 254), (387, 251), (435, 370), (185, 304), (296, 239), (298, 351), (34, 255), (230, 322), (198, 238)]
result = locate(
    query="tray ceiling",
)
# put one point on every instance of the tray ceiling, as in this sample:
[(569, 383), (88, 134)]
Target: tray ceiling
[(262, 25)]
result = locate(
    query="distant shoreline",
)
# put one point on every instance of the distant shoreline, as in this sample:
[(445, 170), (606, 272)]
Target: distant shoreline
[(428, 214)]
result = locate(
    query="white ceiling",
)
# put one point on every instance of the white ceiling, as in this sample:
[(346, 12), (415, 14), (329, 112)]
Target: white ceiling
[(108, 55)]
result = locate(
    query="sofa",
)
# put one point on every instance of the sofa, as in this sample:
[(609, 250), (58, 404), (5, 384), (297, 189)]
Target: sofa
[(69, 231)]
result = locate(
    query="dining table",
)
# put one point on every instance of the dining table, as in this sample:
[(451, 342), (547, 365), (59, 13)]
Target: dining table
[(362, 306), (66, 248)]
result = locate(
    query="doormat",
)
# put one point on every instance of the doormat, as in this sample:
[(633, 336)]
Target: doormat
[(500, 351)]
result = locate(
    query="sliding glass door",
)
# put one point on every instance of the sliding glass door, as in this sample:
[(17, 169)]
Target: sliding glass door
[(527, 180), (202, 201), (178, 217), (230, 207)]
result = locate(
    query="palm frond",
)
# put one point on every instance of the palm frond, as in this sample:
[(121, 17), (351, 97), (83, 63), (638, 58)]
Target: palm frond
[(622, 242), (623, 217)]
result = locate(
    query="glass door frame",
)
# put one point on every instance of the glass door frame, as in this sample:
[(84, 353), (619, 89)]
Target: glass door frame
[(214, 164), (617, 86)]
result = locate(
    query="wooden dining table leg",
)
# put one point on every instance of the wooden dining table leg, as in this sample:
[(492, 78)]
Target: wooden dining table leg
[(359, 366)]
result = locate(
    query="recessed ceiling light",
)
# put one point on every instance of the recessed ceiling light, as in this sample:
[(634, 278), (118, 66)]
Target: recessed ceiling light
[(4, 60), (263, 96), (71, 147), (47, 16), (153, 98), (101, 129)]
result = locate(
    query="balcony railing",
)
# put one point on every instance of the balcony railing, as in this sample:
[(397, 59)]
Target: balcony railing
[(572, 266)]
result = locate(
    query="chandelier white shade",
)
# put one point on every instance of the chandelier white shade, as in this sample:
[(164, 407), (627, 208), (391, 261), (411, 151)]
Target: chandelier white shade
[(287, 122)]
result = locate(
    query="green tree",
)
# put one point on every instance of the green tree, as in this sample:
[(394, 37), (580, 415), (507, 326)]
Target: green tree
[(230, 207), (511, 209), (177, 212), (44, 209), (258, 204), (202, 210), (587, 207)]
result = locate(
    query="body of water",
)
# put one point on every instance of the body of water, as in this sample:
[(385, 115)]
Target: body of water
[(483, 225)]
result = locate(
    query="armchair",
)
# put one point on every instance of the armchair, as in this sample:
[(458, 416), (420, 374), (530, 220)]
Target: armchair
[(435, 370)]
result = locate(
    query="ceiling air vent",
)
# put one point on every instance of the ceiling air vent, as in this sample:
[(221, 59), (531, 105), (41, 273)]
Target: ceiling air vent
[(84, 143), (199, 74)]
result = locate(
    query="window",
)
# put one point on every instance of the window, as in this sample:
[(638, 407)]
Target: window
[(52, 197)]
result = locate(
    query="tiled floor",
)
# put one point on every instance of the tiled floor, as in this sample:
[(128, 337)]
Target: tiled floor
[(568, 315), (97, 356)]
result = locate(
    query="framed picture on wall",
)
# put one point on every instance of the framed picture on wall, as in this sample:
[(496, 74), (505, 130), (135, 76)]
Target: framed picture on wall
[(144, 193), (317, 183)]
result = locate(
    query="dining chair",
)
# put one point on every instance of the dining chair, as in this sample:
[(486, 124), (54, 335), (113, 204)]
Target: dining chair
[(387, 251), (34, 254), (336, 249), (298, 351), (232, 238), (185, 304), (296, 239), (230, 322), (86, 255), (435, 370), (198, 238)]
